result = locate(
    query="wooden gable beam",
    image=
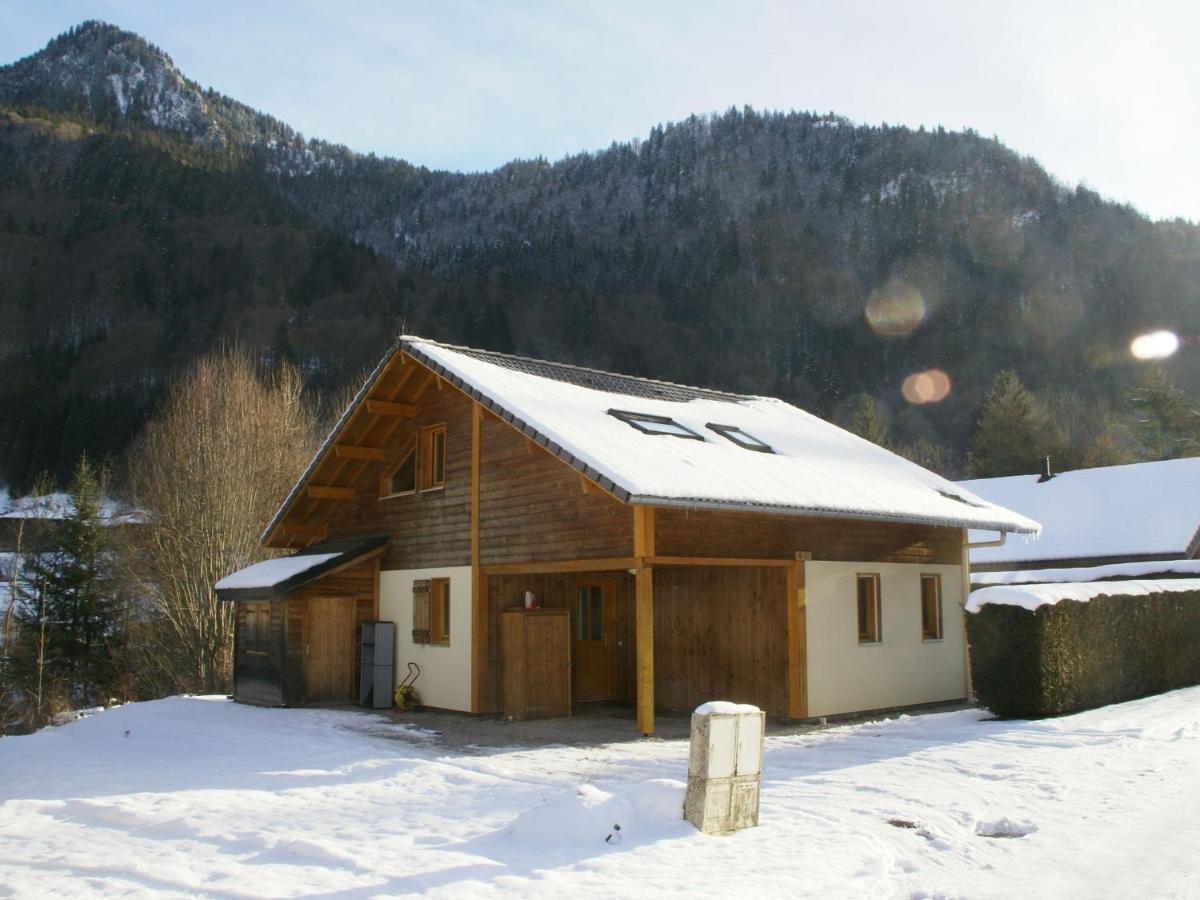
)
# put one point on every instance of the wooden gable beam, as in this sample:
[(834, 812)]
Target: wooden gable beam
[(352, 451), (391, 408), (329, 492)]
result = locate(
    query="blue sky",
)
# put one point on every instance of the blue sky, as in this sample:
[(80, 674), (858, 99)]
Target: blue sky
[(1101, 93)]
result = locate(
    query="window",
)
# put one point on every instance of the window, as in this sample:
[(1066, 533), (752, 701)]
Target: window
[(431, 611), (741, 438), (589, 615), (433, 456), (440, 624), (256, 628), (870, 629), (651, 424), (402, 477), (931, 607)]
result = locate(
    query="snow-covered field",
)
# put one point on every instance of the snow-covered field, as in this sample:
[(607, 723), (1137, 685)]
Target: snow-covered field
[(201, 797)]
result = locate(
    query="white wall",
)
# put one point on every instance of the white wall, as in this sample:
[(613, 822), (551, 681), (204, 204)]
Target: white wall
[(445, 680), (845, 676)]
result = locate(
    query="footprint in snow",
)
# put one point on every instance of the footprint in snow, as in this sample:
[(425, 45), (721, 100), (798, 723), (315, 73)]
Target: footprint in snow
[(1004, 828)]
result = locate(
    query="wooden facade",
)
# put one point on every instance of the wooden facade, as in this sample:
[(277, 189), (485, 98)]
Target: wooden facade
[(311, 653), (667, 606)]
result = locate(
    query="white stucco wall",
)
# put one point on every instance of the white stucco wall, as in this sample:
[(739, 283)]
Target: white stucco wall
[(903, 669), (445, 680)]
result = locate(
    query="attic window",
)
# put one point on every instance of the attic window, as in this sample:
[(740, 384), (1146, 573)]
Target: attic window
[(741, 438), (651, 424)]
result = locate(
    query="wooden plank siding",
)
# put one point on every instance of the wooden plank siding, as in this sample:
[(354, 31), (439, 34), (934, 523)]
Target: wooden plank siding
[(531, 506), (705, 532), (721, 634), (554, 591)]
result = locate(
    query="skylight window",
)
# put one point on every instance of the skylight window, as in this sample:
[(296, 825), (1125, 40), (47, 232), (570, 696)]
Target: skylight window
[(743, 439), (651, 424), (952, 496)]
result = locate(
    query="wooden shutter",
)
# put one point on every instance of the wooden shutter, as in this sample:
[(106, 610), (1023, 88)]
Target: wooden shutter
[(422, 609)]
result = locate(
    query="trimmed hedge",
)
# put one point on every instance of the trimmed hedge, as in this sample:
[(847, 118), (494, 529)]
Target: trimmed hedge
[(1072, 656)]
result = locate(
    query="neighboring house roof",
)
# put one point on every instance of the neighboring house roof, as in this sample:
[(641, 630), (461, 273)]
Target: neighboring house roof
[(274, 579), (1141, 511), (816, 468)]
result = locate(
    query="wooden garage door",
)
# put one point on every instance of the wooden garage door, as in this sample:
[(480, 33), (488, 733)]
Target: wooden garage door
[(329, 651)]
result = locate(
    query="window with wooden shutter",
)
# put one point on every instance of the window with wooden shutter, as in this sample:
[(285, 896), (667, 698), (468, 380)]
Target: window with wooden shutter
[(422, 606)]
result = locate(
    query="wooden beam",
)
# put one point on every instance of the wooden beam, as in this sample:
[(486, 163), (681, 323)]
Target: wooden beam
[(643, 603), (965, 581), (350, 451), (329, 492), (479, 604), (797, 620), (612, 564), (304, 529), (391, 408), (705, 561)]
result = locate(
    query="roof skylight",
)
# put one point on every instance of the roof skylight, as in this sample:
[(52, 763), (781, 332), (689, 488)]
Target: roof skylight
[(952, 496), (652, 424), (743, 439)]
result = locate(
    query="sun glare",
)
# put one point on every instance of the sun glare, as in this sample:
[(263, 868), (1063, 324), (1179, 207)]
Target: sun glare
[(1155, 345), (930, 386)]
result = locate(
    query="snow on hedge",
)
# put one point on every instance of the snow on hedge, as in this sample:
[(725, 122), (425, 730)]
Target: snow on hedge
[(1090, 573), (1033, 596), (271, 572), (1114, 511)]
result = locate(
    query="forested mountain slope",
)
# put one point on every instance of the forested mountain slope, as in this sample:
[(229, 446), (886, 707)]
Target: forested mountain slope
[(795, 254)]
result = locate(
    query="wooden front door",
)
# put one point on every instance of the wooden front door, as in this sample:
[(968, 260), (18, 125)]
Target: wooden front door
[(329, 650), (594, 623)]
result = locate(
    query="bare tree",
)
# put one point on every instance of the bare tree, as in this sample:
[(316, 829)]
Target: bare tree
[(209, 471)]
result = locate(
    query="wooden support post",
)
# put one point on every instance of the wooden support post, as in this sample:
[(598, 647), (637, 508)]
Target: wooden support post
[(966, 591), (797, 637), (643, 548), (479, 604)]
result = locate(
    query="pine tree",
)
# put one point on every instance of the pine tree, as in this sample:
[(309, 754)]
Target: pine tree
[(866, 421), (1165, 424), (70, 613), (1013, 431)]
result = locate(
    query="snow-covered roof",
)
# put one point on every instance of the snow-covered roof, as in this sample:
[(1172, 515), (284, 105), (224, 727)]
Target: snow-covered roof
[(1136, 511), (1032, 596), (816, 468), (273, 579)]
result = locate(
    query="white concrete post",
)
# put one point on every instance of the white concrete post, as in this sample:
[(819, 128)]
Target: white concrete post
[(724, 767)]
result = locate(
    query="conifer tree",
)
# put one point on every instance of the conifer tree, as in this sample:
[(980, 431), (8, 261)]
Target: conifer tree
[(70, 613), (1165, 424), (866, 421), (1013, 431)]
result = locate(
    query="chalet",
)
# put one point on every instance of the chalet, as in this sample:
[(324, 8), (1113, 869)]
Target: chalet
[(679, 544), (1099, 522)]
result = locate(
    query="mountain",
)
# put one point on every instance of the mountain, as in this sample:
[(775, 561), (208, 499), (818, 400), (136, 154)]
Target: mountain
[(793, 254)]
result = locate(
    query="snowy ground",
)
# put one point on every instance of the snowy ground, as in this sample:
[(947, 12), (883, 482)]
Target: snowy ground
[(186, 797)]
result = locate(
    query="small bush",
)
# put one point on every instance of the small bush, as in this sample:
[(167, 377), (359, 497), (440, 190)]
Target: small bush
[(1073, 656)]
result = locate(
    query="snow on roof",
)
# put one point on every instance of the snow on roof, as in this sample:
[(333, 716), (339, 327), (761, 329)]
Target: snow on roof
[(1091, 573), (816, 468), (1143, 509), (270, 572), (1032, 596)]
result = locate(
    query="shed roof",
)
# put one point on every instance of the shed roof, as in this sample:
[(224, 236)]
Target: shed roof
[(274, 579), (1138, 511)]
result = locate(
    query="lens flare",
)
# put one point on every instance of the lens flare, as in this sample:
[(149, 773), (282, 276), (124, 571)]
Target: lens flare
[(895, 309), (930, 386), (1155, 345)]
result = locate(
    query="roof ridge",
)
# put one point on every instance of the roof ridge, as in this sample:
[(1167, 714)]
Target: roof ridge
[(716, 392)]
